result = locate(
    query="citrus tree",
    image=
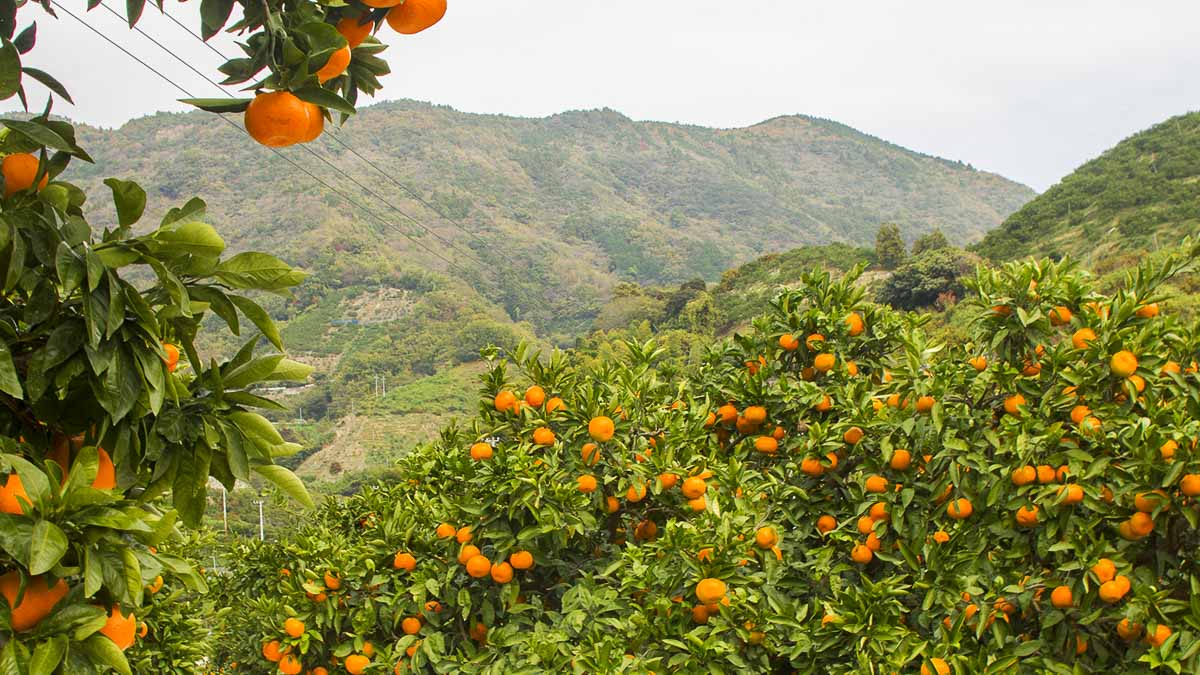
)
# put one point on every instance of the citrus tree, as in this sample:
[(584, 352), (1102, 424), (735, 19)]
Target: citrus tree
[(112, 422), (828, 492)]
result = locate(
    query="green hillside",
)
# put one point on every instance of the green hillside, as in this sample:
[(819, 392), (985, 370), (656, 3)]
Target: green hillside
[(558, 209), (1142, 194)]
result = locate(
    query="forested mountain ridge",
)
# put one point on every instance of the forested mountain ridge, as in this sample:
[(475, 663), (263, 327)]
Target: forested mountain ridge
[(1141, 194), (547, 214)]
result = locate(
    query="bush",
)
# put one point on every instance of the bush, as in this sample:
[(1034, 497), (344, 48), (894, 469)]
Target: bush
[(919, 283), (852, 503)]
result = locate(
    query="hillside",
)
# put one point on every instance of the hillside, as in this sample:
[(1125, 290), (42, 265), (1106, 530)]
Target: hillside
[(1142, 194), (558, 209)]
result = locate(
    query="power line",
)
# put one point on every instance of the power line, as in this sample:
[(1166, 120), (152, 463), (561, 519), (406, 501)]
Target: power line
[(316, 178), (337, 139), (314, 153)]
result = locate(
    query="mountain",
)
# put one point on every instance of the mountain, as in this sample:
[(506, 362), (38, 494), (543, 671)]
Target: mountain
[(1141, 194), (544, 216)]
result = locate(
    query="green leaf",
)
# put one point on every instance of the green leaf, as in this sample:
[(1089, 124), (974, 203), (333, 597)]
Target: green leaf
[(10, 69), (218, 105), (256, 427), (129, 198), (286, 481), (219, 303), (70, 268), (290, 371), (49, 82), (47, 655), (324, 98), (9, 382), (259, 271), (252, 373), (47, 546), (214, 14), (104, 651), (192, 237), (260, 318), (42, 134), (15, 532)]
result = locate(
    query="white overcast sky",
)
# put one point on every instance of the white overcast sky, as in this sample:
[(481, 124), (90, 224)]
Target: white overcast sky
[(1029, 89)]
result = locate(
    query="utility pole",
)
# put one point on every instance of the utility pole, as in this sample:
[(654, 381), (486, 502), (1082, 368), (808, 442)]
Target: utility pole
[(261, 532)]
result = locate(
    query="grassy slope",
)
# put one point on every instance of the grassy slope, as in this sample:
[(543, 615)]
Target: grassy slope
[(1141, 194), (558, 208)]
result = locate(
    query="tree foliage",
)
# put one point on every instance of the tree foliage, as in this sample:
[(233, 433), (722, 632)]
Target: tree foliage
[(889, 247)]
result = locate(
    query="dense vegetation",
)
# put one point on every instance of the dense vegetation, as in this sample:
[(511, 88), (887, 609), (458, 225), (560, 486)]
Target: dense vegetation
[(827, 492), (558, 210), (1139, 195)]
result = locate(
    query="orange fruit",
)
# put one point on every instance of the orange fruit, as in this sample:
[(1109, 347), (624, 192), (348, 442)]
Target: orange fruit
[(356, 664), (901, 459), (481, 451), (710, 591), (824, 362), (479, 632), (755, 414), (611, 505), (694, 487), (271, 651), (875, 484), (445, 531), (925, 404), (463, 534), (19, 169), (1062, 598), (411, 625), (1024, 475), (1129, 631), (979, 363), (521, 560), (1158, 636), (1105, 570), (1148, 311), (290, 665), (120, 628), (814, 341), (1123, 363), (1074, 494), (13, 497), (854, 324), (668, 480), (332, 582), (293, 627), (415, 16), (466, 553), (543, 436), (403, 561), (335, 66), (1190, 484), (960, 509), (555, 404), (1060, 316), (1027, 516), (40, 597), (106, 473), (1001, 310), (1170, 367), (277, 119), (535, 396), (766, 537), (700, 614), (826, 524), (939, 665), (861, 554), (1046, 474), (587, 483), (789, 342), (504, 401), (766, 444), (479, 566), (879, 511), (812, 466), (601, 429), (1012, 404), (590, 454), (353, 31), (171, 358), (502, 573), (941, 536), (1082, 337), (1148, 502), (853, 435), (635, 493), (866, 525), (1141, 524), (1079, 413)]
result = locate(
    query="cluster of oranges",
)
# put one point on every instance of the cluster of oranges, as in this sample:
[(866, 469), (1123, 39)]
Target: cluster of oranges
[(280, 118)]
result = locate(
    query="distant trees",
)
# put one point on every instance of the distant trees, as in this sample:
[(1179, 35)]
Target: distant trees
[(925, 278), (930, 242), (889, 246)]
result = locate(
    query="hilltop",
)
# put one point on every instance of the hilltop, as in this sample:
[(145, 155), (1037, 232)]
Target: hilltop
[(1140, 195), (547, 215)]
